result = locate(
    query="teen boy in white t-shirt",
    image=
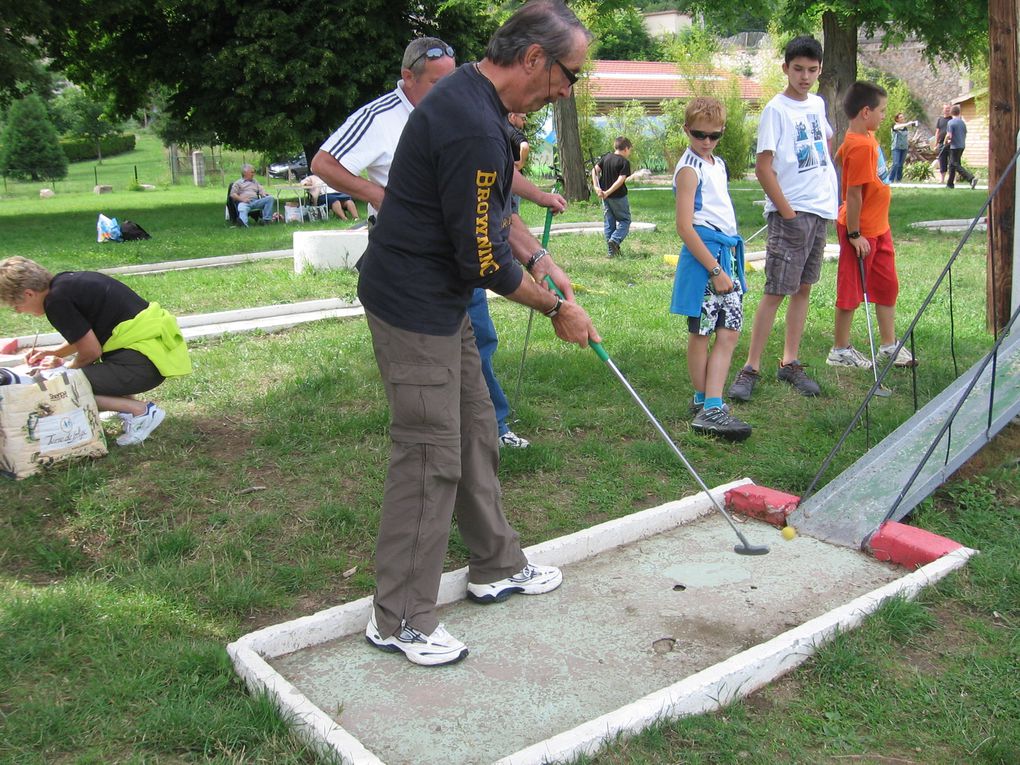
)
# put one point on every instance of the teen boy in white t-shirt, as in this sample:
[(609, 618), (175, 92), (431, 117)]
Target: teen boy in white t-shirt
[(794, 167)]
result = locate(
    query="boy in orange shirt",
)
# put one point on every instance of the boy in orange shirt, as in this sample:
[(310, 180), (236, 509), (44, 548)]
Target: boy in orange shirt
[(863, 230)]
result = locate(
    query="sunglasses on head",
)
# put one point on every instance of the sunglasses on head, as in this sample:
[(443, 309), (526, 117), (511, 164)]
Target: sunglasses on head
[(701, 135), (433, 53)]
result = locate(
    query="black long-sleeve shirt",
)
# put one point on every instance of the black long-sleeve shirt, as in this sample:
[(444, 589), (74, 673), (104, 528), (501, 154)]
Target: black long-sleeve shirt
[(444, 225)]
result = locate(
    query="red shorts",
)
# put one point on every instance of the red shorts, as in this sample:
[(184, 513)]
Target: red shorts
[(879, 272)]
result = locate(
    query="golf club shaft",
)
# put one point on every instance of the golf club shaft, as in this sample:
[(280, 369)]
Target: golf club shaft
[(531, 316), (867, 313), (601, 353)]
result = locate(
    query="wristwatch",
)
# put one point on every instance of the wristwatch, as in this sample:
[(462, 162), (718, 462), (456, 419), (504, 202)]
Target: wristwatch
[(853, 235), (715, 271)]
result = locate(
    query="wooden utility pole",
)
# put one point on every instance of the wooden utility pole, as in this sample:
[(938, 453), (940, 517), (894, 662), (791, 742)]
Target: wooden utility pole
[(1003, 124)]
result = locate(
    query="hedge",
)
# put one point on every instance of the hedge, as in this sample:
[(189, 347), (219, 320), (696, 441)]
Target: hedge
[(78, 149)]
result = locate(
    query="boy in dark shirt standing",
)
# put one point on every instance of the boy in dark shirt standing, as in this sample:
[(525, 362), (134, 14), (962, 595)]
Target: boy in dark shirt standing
[(609, 177)]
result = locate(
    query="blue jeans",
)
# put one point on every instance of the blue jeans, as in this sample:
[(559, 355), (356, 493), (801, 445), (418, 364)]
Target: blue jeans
[(266, 205), (486, 340), (899, 156), (617, 218)]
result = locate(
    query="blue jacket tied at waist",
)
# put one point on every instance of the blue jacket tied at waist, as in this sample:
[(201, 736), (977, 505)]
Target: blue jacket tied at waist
[(692, 277)]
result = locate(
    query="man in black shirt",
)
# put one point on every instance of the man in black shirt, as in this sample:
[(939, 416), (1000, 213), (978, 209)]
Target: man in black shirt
[(940, 140), (609, 177), (445, 229)]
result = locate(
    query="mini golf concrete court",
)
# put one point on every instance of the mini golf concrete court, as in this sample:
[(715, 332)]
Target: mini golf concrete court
[(657, 617)]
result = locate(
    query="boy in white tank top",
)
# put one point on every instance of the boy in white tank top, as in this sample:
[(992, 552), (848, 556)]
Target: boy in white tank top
[(709, 284)]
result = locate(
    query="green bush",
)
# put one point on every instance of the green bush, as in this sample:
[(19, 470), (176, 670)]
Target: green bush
[(79, 149), (919, 172)]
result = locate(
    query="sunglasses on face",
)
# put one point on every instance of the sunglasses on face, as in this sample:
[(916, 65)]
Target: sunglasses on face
[(571, 77), (433, 53), (701, 135)]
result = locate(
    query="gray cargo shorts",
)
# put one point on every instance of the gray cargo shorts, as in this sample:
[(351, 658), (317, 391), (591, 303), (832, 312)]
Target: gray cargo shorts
[(793, 252)]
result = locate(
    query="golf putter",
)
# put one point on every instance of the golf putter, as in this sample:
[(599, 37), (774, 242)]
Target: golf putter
[(745, 547), (880, 390)]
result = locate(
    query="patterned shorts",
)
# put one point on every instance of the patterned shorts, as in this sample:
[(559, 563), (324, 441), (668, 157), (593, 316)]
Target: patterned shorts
[(718, 312)]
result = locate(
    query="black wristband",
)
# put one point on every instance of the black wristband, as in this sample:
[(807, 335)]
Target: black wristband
[(552, 312), (853, 235)]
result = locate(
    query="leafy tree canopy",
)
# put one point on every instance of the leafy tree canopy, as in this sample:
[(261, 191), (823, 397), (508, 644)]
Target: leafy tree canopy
[(263, 75)]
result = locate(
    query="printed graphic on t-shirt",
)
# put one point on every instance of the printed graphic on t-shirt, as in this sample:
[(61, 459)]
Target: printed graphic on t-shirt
[(809, 143), (883, 168)]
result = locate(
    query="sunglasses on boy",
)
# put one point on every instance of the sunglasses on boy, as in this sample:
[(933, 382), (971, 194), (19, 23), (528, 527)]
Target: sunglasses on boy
[(701, 135), (433, 53)]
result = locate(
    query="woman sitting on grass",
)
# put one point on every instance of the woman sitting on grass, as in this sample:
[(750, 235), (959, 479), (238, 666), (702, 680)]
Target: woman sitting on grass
[(122, 343)]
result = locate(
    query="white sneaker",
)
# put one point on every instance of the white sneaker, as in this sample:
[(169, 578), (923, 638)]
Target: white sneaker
[(137, 429), (847, 357), (903, 359), (513, 440), (532, 580), (427, 650)]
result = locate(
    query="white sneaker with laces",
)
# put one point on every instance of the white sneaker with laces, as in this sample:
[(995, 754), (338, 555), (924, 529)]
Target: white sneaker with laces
[(532, 580), (427, 650), (903, 359), (137, 429), (513, 440), (847, 357)]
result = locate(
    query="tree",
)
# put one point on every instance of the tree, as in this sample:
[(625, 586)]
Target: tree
[(964, 38), (264, 75), (87, 118), (620, 35), (29, 147)]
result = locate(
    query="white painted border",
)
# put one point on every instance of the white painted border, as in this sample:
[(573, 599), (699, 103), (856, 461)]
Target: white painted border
[(738, 676), (710, 689)]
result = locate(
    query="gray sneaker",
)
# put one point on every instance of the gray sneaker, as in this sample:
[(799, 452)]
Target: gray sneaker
[(719, 422), (694, 407), (794, 374), (743, 384)]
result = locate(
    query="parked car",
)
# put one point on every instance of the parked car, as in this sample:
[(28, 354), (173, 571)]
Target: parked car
[(293, 169)]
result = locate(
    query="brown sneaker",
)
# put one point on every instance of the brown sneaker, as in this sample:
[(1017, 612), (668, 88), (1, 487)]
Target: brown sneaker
[(743, 384), (794, 374)]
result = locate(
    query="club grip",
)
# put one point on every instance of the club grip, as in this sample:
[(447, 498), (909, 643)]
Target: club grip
[(597, 347)]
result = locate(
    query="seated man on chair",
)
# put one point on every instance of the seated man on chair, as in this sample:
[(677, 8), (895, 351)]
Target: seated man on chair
[(340, 203), (250, 195)]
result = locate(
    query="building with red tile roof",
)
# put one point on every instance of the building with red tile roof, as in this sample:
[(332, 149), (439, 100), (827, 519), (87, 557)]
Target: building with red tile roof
[(614, 83)]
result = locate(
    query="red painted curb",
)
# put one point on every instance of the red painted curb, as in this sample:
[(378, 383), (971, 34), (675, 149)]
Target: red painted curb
[(761, 502), (9, 346), (909, 546)]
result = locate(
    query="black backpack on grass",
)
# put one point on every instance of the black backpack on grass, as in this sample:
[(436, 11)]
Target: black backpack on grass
[(130, 231)]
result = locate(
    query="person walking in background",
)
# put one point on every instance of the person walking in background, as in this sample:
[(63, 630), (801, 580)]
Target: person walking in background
[(900, 146), (609, 177), (940, 140), (956, 139)]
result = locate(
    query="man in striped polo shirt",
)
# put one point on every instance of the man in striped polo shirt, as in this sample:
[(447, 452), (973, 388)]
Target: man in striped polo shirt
[(367, 140)]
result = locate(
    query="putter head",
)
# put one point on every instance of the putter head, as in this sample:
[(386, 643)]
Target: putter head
[(747, 549), (883, 392)]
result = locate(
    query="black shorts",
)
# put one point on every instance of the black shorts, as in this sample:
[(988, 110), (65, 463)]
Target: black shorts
[(122, 373)]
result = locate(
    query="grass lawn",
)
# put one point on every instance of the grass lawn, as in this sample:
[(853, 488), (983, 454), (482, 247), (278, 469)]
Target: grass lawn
[(121, 580)]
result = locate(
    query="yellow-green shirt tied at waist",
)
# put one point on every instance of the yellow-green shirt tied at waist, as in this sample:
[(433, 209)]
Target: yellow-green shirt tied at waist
[(153, 333)]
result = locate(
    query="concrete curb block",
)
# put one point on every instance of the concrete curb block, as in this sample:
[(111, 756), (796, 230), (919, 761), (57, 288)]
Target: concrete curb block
[(908, 546), (715, 687), (249, 652), (762, 503), (181, 265)]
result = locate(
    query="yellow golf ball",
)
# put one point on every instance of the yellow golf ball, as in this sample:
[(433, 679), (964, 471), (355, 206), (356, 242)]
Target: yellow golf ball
[(789, 532)]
